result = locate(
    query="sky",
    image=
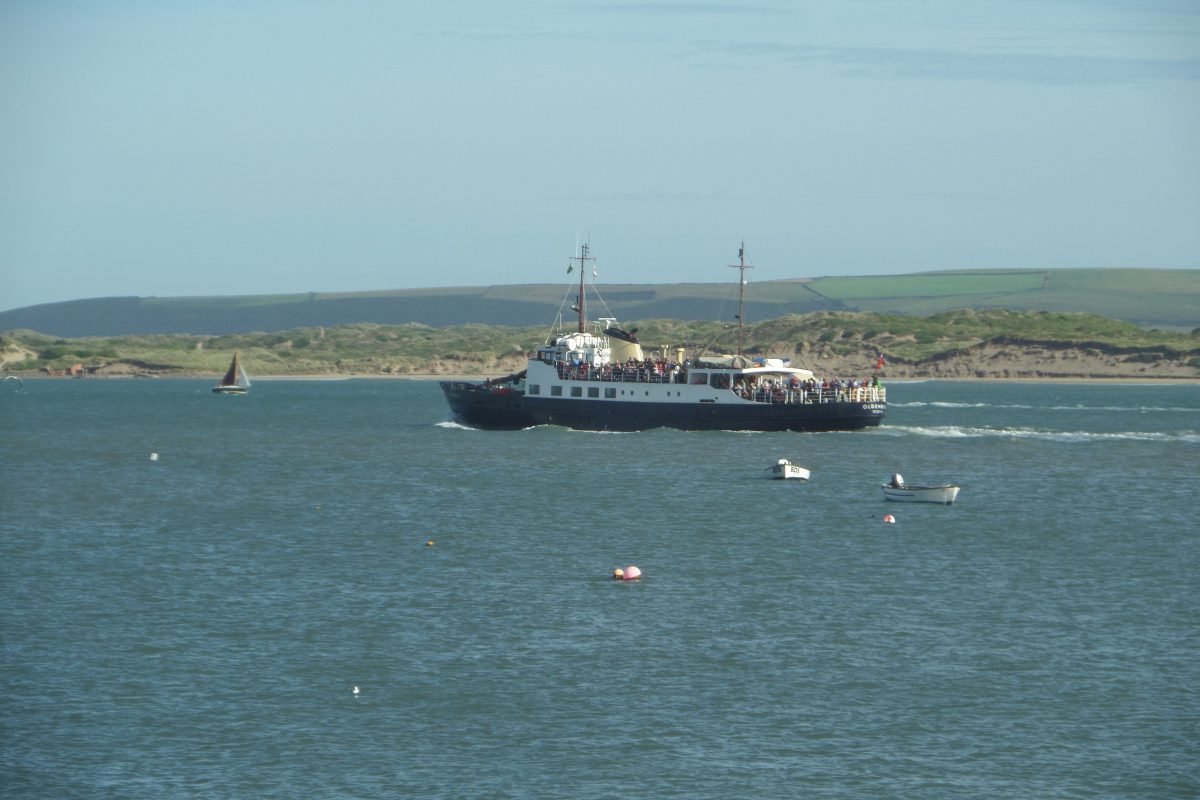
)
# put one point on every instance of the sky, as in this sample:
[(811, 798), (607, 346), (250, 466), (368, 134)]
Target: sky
[(164, 148)]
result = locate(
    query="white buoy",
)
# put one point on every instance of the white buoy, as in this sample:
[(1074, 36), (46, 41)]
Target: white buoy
[(888, 518), (154, 456), (354, 690), (631, 573)]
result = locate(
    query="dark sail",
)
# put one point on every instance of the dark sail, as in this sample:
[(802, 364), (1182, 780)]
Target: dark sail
[(231, 375)]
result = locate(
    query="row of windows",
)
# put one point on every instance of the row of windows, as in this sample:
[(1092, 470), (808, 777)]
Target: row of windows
[(718, 380), (610, 392)]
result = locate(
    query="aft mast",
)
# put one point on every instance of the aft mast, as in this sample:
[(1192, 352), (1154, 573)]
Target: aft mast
[(742, 266), (582, 258)]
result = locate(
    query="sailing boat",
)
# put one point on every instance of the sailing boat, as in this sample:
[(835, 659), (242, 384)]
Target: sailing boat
[(235, 380)]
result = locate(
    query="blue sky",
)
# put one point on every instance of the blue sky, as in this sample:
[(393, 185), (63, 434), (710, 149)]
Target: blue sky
[(178, 148)]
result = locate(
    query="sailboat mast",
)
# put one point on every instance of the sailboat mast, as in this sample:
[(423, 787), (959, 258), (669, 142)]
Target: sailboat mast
[(741, 266), (581, 306)]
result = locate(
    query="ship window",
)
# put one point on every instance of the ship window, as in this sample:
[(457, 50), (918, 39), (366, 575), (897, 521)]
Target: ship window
[(719, 380), (556, 391), (576, 391), (610, 392), (698, 378), (535, 388), (593, 391)]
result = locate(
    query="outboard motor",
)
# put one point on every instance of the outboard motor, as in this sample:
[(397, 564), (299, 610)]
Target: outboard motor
[(897, 480)]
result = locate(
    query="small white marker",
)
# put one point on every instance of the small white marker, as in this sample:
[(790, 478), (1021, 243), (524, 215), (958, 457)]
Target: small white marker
[(154, 456), (355, 690)]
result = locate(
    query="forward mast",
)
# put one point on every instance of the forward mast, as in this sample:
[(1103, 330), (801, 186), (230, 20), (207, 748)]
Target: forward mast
[(583, 258)]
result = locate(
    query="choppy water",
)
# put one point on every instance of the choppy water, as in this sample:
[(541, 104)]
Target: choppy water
[(192, 626)]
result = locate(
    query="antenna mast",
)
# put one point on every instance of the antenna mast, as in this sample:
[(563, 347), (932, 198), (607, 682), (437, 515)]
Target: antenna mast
[(582, 258), (741, 266)]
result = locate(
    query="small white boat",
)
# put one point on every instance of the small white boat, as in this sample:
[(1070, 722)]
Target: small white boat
[(783, 469), (898, 490)]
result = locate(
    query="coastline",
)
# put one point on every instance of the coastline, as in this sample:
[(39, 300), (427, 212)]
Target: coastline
[(1006, 362), (884, 378), (477, 377)]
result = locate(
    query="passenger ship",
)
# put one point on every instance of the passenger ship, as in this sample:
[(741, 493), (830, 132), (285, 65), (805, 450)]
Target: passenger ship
[(603, 381)]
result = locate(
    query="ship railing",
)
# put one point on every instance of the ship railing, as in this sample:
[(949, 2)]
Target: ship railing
[(640, 374), (858, 394)]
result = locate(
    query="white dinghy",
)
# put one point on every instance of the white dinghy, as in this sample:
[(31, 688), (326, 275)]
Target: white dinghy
[(784, 469), (898, 490)]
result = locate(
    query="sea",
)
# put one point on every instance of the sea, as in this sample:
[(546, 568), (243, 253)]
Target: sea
[(193, 585)]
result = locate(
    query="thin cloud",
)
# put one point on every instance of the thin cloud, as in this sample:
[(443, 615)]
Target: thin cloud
[(1036, 68), (653, 197), (684, 9)]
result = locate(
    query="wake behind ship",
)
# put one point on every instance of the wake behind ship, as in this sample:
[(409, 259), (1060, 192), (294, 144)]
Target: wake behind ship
[(603, 380)]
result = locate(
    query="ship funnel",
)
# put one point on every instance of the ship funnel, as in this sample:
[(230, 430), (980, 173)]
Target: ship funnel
[(624, 344), (623, 350)]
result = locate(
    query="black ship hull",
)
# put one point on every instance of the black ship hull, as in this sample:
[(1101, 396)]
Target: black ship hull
[(491, 408)]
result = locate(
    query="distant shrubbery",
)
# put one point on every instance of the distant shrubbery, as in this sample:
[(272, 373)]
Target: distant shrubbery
[(413, 348)]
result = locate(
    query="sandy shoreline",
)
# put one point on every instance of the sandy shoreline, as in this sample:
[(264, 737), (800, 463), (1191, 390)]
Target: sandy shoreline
[(1006, 363), (896, 379)]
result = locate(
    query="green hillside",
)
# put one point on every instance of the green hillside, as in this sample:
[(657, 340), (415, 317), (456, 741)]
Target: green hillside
[(1147, 297), (1166, 299)]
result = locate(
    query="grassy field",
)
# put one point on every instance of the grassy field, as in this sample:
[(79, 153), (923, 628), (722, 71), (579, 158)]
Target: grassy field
[(929, 285), (1147, 297)]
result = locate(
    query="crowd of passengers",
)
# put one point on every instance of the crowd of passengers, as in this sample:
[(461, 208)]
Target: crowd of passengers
[(764, 389), (648, 371), (779, 390)]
